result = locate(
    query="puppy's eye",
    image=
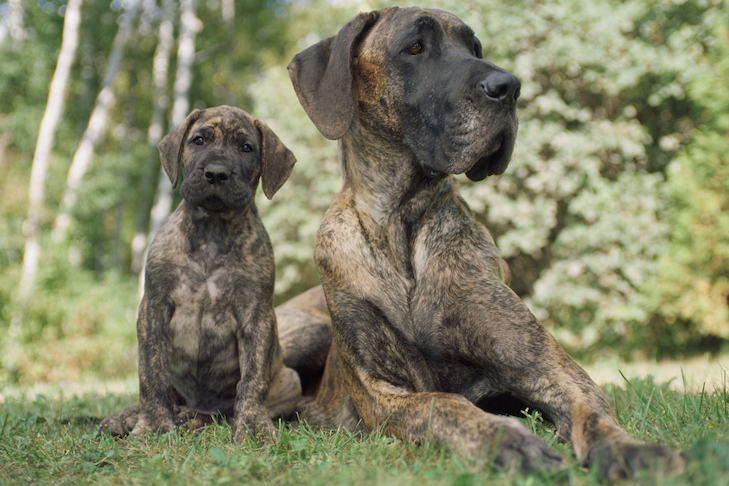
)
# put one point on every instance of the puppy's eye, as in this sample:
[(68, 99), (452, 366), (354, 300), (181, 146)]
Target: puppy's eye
[(198, 140), (415, 49), (247, 148)]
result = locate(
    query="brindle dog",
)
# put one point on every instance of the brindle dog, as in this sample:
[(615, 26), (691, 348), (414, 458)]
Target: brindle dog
[(424, 324), (207, 331)]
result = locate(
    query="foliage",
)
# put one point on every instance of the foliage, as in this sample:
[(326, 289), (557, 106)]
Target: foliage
[(612, 215), (78, 327), (605, 107), (691, 288), (45, 441)]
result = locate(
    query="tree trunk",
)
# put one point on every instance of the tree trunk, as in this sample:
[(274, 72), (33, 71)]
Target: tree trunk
[(227, 8), (15, 24), (97, 123), (189, 26), (160, 70), (46, 138)]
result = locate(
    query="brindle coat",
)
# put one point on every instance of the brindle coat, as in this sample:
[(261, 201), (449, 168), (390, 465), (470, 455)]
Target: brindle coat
[(207, 332), (424, 324)]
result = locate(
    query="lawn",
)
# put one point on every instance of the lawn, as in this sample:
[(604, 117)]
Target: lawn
[(54, 441)]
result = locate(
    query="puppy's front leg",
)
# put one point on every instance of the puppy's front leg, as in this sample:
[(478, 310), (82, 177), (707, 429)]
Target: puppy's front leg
[(156, 393), (257, 342)]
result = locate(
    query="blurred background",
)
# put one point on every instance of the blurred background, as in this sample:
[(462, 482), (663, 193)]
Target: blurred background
[(613, 215)]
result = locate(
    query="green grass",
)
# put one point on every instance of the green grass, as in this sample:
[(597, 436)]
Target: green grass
[(45, 441)]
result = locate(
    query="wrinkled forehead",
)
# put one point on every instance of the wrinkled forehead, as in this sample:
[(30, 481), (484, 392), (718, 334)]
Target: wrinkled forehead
[(224, 124), (399, 25)]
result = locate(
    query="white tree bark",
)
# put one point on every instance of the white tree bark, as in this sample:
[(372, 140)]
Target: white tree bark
[(97, 122), (16, 28), (227, 8), (160, 70), (190, 25), (44, 144)]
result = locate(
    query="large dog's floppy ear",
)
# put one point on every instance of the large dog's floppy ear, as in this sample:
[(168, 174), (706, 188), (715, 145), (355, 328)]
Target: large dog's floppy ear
[(322, 78), (170, 147), (277, 161)]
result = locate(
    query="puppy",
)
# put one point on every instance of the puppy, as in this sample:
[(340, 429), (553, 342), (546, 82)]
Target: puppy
[(208, 341)]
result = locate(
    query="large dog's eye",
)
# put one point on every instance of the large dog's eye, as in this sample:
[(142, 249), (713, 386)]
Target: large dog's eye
[(198, 140), (415, 49), (246, 148)]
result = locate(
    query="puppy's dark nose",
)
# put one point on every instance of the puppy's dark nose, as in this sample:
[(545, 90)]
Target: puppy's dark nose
[(216, 174), (502, 87)]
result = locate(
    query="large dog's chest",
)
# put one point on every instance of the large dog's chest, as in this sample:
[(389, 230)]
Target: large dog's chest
[(411, 308)]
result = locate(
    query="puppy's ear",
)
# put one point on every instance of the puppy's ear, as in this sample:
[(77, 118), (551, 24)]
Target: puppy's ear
[(277, 161), (170, 147), (322, 78)]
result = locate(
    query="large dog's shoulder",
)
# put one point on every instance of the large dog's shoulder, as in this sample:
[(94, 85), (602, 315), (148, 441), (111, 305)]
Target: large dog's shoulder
[(340, 238)]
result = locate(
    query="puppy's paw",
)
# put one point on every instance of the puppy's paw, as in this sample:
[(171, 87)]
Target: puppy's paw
[(120, 425), (515, 446), (190, 419), (260, 428), (627, 459), (152, 425)]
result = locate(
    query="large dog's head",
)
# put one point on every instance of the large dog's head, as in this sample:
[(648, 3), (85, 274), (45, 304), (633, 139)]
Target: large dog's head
[(415, 76), (223, 152)]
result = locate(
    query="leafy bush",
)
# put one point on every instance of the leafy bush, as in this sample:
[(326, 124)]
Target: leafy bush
[(612, 216), (691, 289), (581, 214)]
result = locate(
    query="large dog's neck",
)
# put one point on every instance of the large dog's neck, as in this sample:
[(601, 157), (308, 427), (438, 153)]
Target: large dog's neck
[(389, 191), (388, 180)]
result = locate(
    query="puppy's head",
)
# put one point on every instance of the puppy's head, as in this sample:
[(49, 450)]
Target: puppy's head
[(415, 77), (223, 152)]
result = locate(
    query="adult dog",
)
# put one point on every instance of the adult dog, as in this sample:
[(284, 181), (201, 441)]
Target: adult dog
[(424, 324), (208, 341)]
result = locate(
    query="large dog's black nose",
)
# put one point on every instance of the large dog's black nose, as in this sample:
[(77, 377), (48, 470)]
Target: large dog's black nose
[(216, 174), (502, 87)]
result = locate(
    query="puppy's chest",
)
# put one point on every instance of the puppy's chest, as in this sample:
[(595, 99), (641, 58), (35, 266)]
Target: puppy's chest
[(209, 302)]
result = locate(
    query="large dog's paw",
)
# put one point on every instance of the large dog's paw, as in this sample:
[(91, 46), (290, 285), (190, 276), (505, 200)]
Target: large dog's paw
[(626, 459), (515, 446), (122, 424)]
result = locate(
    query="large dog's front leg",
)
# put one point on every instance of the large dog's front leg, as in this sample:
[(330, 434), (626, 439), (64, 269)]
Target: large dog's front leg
[(382, 374), (453, 420), (533, 366)]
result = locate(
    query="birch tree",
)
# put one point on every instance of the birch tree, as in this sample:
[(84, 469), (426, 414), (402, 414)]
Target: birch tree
[(227, 8), (46, 138), (97, 122), (190, 25), (15, 24), (160, 70)]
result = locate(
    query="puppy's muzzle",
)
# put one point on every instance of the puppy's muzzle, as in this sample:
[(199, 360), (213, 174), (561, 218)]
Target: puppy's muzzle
[(216, 174)]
